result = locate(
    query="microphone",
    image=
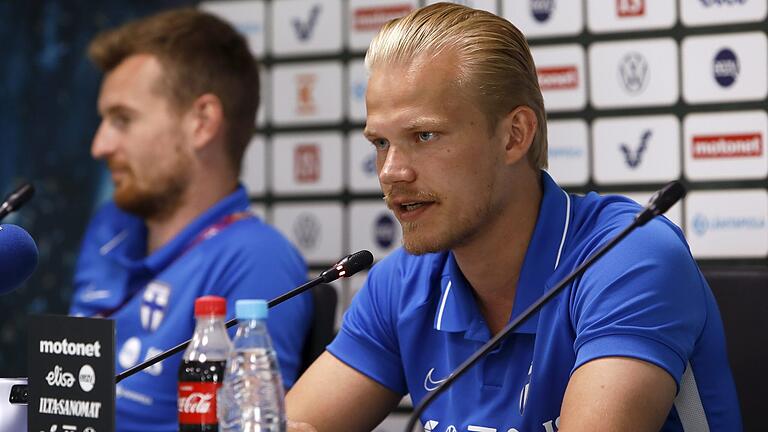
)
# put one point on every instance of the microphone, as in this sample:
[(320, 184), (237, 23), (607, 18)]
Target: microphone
[(659, 203), (16, 199), (347, 267), (18, 257)]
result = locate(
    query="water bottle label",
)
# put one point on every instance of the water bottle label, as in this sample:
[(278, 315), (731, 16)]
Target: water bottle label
[(197, 402)]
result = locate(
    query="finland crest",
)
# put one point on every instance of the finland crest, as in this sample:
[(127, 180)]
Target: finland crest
[(154, 304)]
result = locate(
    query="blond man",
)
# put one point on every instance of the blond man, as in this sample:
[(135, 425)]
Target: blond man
[(636, 344)]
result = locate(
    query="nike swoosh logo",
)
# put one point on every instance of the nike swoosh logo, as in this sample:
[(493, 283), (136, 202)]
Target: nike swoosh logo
[(429, 383)]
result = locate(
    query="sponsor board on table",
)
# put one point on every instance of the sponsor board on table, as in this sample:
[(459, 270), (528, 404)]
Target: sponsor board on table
[(71, 367), (314, 227), (568, 152), (641, 149), (725, 67), (726, 145), (727, 223), (636, 73)]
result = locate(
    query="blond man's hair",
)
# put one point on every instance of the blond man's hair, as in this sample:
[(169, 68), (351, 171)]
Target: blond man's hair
[(494, 61)]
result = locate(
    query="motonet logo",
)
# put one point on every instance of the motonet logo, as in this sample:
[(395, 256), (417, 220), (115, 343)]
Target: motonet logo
[(558, 78), (65, 347), (372, 18), (727, 146)]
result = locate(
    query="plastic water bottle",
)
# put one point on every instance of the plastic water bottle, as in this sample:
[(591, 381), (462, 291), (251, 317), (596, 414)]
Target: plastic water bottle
[(251, 398)]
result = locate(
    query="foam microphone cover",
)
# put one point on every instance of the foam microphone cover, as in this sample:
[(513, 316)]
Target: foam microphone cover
[(18, 257)]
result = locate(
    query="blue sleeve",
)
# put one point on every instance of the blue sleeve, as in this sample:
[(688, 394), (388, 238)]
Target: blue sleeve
[(645, 299), (264, 267), (367, 341)]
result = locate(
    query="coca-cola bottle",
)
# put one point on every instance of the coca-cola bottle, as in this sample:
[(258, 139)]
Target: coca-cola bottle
[(201, 371)]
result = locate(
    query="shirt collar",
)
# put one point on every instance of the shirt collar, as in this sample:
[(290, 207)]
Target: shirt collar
[(457, 309), (131, 254)]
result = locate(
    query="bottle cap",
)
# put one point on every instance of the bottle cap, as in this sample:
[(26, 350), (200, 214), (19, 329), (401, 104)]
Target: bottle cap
[(210, 305), (251, 309)]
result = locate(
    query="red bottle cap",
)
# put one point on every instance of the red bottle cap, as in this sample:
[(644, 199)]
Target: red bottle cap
[(210, 305)]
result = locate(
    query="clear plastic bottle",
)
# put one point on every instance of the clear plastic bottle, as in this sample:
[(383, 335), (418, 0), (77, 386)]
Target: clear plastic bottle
[(251, 398), (202, 369)]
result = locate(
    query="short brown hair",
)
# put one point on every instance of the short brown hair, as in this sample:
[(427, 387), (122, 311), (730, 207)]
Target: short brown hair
[(200, 54), (495, 63)]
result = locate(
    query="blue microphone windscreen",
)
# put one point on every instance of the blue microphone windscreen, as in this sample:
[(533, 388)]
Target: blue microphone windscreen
[(18, 257)]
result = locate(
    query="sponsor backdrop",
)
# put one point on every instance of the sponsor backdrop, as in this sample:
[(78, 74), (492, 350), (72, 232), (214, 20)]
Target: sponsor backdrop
[(639, 92)]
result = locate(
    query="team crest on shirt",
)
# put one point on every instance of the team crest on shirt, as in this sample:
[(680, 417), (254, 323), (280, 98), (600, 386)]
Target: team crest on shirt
[(154, 303)]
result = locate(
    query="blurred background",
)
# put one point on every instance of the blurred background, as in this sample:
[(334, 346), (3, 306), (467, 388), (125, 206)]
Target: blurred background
[(638, 93)]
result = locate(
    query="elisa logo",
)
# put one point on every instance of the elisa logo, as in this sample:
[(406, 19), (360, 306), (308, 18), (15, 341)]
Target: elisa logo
[(703, 224), (634, 72), (633, 158), (384, 231), (542, 9), (306, 163), (304, 29), (558, 78), (630, 8), (305, 93), (368, 19), (725, 67), (727, 146)]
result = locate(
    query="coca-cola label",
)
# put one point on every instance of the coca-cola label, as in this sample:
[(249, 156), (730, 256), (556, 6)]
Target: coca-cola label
[(197, 402)]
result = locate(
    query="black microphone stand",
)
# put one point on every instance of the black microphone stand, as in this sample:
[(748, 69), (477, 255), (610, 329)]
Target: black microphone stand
[(658, 204)]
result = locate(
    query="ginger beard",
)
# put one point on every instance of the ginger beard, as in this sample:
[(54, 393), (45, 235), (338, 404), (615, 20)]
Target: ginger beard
[(151, 190)]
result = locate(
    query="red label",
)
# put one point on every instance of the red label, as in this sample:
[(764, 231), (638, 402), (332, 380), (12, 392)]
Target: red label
[(727, 146), (558, 78), (306, 163), (630, 8), (372, 18), (197, 402)]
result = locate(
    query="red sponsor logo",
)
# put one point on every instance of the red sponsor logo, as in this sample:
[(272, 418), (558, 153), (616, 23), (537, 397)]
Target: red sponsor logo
[(197, 402), (372, 18), (558, 77), (727, 146), (630, 8), (306, 163), (305, 93)]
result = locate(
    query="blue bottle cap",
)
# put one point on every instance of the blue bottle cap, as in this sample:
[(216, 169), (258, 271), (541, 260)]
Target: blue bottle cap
[(249, 309)]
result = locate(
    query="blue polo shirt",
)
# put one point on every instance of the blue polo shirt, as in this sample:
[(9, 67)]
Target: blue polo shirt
[(416, 319), (151, 298)]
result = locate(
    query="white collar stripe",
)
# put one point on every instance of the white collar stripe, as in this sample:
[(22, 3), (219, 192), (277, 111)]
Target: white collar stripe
[(565, 228), (442, 306)]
